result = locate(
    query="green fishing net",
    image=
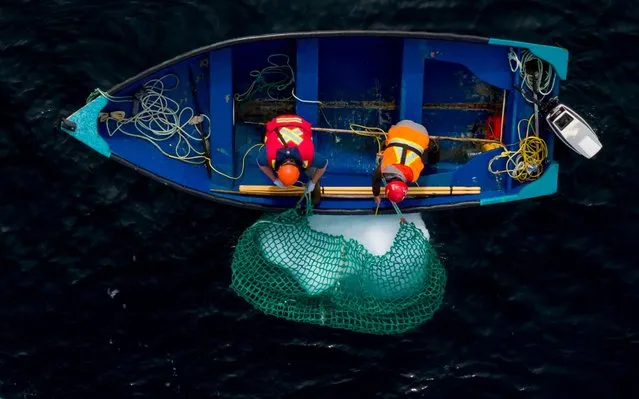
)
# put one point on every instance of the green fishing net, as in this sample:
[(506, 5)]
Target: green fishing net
[(286, 269)]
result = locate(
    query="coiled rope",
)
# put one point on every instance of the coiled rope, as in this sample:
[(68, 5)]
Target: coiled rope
[(368, 131), (541, 81), (160, 120), (286, 78), (526, 163)]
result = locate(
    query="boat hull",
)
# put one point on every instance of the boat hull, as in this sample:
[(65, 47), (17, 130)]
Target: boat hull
[(341, 80)]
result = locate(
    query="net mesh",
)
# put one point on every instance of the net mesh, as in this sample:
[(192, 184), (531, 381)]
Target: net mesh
[(284, 268)]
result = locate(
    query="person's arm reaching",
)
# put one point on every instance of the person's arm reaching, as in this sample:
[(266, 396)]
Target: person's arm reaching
[(268, 171), (320, 163), (376, 183), (320, 171)]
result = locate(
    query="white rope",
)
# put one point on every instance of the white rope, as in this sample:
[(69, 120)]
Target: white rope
[(544, 78), (161, 119), (261, 80), (305, 101), (321, 104)]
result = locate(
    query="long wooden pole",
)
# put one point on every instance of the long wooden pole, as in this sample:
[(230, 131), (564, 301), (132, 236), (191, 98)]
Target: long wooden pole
[(376, 133), (354, 192), (249, 187), (326, 195)]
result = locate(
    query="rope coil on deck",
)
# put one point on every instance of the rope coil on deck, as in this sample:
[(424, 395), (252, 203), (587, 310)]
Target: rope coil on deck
[(161, 119), (261, 82), (526, 163), (541, 81)]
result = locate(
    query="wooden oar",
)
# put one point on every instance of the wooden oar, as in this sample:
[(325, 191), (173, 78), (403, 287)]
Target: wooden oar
[(375, 133)]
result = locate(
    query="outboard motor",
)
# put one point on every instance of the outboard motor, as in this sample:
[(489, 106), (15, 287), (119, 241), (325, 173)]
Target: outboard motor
[(572, 129)]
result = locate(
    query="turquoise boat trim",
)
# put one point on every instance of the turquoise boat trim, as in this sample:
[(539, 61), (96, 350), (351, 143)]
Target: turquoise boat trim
[(556, 56), (86, 120), (545, 185)]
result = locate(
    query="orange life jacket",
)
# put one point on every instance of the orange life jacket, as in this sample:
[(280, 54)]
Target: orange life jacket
[(405, 146)]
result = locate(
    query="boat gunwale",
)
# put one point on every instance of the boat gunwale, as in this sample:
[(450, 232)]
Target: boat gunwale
[(275, 208), (297, 35)]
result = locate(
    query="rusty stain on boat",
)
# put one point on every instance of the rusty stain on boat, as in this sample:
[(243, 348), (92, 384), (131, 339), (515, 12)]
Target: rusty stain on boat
[(274, 107)]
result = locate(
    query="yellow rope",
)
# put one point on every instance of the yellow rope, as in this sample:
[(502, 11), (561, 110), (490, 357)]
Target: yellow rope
[(194, 160), (525, 164), (243, 163), (158, 110), (368, 131)]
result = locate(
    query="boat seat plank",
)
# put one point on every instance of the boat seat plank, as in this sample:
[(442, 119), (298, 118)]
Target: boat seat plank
[(221, 113), (412, 89), (306, 84), (488, 63)]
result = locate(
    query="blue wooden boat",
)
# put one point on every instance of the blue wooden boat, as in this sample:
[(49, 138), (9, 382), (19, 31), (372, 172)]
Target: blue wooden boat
[(195, 121)]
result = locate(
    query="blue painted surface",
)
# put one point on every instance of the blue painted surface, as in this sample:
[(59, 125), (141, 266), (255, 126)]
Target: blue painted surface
[(449, 85), (360, 70), (488, 63), (556, 56), (252, 58), (248, 60), (200, 73), (307, 79), (377, 82), (545, 185), (221, 114), (368, 73), (442, 177), (475, 172), (412, 95), (441, 76), (144, 154), (453, 123), (86, 119)]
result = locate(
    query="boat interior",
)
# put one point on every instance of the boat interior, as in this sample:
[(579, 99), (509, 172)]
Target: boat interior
[(455, 89)]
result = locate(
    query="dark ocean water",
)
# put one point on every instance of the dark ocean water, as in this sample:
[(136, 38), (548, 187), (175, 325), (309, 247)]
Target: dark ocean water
[(115, 286)]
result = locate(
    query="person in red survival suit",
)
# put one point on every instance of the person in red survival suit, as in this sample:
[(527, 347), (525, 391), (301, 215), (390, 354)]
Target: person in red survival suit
[(289, 149)]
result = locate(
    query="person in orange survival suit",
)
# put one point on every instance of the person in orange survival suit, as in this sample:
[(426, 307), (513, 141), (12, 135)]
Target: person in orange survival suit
[(405, 151), (289, 148)]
